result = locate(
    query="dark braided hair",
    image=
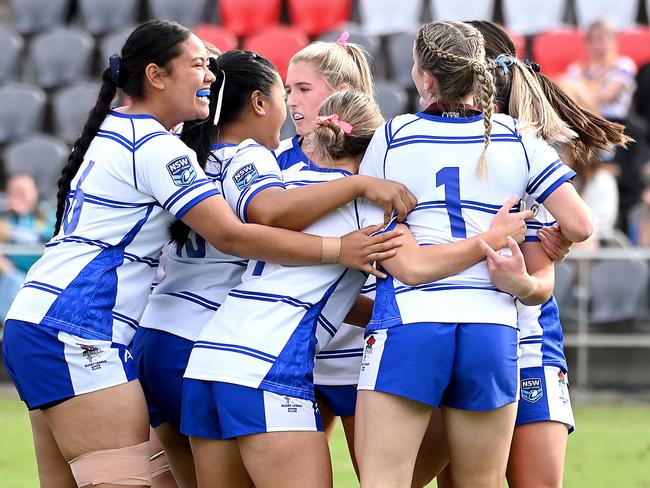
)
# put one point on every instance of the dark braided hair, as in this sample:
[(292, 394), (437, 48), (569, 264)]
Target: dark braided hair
[(245, 72), (156, 41)]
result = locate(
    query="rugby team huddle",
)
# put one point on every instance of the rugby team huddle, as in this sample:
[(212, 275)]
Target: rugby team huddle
[(237, 293)]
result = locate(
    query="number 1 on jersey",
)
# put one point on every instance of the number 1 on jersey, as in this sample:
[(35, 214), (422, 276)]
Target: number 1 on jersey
[(449, 177)]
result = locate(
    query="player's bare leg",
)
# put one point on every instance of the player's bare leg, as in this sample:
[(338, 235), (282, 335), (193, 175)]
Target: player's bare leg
[(53, 469), (111, 418), (479, 444), (388, 433), (545, 442), (328, 419), (433, 456), (219, 463), (177, 454), (297, 458), (348, 428)]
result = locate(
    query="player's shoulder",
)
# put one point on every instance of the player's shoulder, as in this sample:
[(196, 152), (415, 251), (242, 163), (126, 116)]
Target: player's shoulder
[(285, 146)]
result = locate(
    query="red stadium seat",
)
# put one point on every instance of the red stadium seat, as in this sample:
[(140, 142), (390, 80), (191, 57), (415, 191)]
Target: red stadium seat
[(635, 43), (278, 44), (246, 17), (520, 43), (555, 50), (222, 39), (316, 17)]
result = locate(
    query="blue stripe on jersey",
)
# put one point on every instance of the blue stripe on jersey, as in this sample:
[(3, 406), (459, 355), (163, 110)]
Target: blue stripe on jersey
[(211, 192), (340, 353), (443, 287), (341, 356), (368, 288), (269, 297), (131, 322), (467, 204), (450, 120), (141, 142), (178, 194), (111, 203), (112, 136), (193, 297), (151, 262), (236, 348), (554, 186), (327, 325), (55, 290), (516, 134), (79, 240), (467, 140), (246, 197), (530, 189), (532, 239)]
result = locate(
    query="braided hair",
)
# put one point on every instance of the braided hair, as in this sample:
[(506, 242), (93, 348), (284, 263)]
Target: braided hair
[(156, 41), (454, 54)]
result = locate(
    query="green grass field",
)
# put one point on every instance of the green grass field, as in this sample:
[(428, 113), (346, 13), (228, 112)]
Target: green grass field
[(610, 448)]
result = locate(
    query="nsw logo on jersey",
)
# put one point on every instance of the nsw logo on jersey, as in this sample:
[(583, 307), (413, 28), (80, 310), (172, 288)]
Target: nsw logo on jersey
[(532, 390), (244, 177), (181, 171)]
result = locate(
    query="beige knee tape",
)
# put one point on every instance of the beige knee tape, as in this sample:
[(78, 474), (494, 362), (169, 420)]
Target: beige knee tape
[(125, 466), (159, 464)]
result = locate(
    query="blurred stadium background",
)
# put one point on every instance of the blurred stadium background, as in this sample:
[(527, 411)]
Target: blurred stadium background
[(51, 52)]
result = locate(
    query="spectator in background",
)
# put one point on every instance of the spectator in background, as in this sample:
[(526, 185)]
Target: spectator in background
[(22, 221)]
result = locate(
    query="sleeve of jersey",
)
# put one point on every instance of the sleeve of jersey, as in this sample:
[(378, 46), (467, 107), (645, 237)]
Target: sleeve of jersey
[(546, 171), (542, 219), (250, 171), (375, 156), (169, 173)]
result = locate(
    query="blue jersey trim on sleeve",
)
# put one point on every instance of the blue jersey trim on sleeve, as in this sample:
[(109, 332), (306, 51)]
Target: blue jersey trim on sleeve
[(247, 201), (532, 239), (193, 297), (181, 192), (211, 192), (248, 351), (329, 328), (554, 186), (543, 175)]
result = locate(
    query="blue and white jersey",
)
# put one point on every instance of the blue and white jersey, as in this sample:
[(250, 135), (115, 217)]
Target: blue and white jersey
[(541, 341), (94, 276), (196, 276), (437, 159), (265, 334), (339, 362)]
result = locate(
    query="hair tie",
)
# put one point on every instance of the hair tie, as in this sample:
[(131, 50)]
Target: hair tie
[(217, 112), (536, 67), (505, 61), (343, 38), (115, 64), (334, 119)]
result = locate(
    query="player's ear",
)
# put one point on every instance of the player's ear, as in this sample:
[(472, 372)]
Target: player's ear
[(154, 74), (343, 87), (429, 83), (258, 103)]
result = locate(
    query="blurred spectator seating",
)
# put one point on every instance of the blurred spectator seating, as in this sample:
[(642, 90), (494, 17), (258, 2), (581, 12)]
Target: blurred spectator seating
[(400, 47), (23, 109), (622, 13), (221, 38), (391, 97), (461, 10), (528, 17), (40, 155), (314, 17), (555, 50), (11, 45), (112, 44), (102, 17), (186, 12), (370, 43), (278, 44), (565, 280), (61, 56), (246, 17), (71, 105), (30, 16), (617, 290), (635, 43), (380, 17)]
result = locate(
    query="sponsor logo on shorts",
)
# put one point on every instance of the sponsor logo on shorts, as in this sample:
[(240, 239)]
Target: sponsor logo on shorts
[(92, 354), (291, 405), (370, 341), (561, 380), (181, 171), (245, 177), (532, 390)]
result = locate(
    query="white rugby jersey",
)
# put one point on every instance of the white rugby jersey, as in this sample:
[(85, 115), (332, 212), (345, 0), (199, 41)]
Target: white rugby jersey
[(94, 276), (437, 159), (541, 340), (197, 276), (265, 333), (339, 362)]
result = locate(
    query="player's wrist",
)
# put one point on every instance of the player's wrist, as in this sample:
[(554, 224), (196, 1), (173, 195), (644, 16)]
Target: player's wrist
[(528, 288), (330, 249)]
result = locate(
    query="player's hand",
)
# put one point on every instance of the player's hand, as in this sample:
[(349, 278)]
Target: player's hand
[(506, 224), (389, 195), (360, 249), (555, 245), (508, 273)]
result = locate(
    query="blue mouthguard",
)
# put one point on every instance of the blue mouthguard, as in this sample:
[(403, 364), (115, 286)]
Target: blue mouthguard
[(204, 92)]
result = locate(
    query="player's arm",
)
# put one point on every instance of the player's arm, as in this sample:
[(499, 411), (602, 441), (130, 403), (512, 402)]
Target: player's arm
[(527, 274), (413, 264), (361, 312), (571, 212), (213, 219), (297, 208)]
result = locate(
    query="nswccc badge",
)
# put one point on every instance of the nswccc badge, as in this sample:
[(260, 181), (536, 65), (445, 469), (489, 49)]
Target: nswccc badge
[(181, 171), (245, 176), (531, 390)]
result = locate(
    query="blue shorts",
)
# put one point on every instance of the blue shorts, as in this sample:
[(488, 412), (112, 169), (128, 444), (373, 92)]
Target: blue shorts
[(544, 396), (463, 366), (161, 359), (216, 410), (342, 400), (49, 366)]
